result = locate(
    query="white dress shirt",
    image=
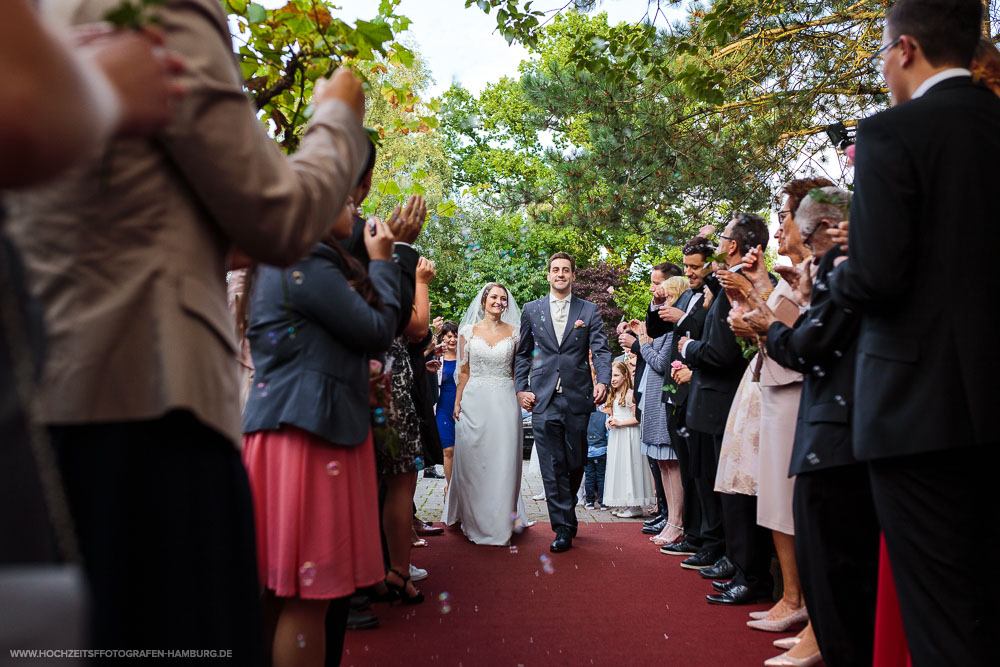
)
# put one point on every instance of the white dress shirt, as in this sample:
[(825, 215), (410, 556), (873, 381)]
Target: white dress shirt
[(559, 310)]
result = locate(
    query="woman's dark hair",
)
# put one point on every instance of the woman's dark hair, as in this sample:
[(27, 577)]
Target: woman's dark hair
[(357, 276), (946, 30), (446, 328), (797, 190), (370, 162), (486, 292)]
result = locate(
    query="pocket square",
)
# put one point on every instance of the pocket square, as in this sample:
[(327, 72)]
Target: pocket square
[(578, 324)]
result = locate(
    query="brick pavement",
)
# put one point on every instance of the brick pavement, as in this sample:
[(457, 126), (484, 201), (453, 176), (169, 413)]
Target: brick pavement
[(429, 498)]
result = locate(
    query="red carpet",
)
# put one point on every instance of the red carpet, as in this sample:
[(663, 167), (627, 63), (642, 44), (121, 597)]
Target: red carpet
[(612, 599)]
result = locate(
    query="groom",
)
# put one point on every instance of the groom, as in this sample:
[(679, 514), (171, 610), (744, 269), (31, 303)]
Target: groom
[(553, 381)]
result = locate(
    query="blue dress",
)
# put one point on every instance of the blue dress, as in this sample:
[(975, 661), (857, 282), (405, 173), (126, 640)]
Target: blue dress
[(446, 405)]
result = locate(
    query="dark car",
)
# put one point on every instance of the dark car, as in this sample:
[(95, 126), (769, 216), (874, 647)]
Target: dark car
[(529, 435)]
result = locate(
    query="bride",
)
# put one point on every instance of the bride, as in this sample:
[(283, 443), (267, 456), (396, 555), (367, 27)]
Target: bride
[(484, 494)]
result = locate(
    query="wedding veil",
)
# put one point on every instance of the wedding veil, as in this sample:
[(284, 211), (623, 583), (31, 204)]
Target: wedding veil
[(474, 314)]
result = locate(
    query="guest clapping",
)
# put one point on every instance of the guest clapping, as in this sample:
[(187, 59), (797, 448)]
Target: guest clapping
[(308, 446), (141, 374)]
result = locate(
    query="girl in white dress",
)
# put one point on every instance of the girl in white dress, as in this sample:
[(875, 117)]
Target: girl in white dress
[(484, 493), (627, 484)]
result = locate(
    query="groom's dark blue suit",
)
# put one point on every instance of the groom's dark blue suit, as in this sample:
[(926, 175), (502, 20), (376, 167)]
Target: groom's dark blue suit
[(560, 418)]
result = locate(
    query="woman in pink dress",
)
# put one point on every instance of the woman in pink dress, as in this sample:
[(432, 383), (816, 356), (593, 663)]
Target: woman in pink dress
[(307, 442)]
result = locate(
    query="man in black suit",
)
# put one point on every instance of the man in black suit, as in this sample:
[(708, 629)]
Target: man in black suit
[(837, 558), (702, 511), (927, 371), (718, 365)]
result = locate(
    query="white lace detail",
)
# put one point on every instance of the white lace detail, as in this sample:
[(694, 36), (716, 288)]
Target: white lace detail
[(491, 364)]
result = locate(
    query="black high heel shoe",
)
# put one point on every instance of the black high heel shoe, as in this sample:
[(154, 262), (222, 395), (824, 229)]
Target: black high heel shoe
[(399, 592)]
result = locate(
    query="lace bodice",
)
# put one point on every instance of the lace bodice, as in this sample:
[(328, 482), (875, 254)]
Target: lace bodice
[(491, 364)]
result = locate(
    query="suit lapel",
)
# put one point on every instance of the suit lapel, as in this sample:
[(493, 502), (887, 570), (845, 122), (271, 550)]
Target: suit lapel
[(546, 313), (575, 308)]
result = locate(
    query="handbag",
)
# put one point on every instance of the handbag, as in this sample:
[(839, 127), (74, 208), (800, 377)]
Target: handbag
[(43, 606)]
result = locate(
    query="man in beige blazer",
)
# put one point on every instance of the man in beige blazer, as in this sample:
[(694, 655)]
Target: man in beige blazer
[(127, 254)]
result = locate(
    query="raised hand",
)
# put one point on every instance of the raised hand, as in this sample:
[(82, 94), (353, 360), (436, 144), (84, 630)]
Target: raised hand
[(760, 319), (626, 340), (142, 74), (659, 294), (800, 280), (343, 86), (425, 271), (736, 323), (735, 284), (838, 234), (379, 244), (671, 314), (410, 219), (754, 267)]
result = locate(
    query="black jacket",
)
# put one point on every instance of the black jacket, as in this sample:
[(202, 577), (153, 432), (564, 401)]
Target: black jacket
[(407, 258), (823, 347), (568, 360), (718, 365), (925, 188), (311, 339)]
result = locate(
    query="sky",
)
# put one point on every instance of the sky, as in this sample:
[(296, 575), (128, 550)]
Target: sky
[(461, 44)]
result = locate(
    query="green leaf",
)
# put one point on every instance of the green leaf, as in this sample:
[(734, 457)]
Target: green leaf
[(375, 34), (256, 13)]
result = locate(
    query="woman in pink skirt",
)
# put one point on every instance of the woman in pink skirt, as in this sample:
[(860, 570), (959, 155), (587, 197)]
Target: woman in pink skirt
[(307, 442)]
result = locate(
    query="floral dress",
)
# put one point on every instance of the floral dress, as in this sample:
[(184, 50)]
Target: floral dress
[(397, 434)]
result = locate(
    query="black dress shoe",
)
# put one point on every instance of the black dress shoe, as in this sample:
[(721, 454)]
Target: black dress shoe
[(721, 569), (721, 586), (735, 595), (655, 528), (659, 518), (359, 620), (563, 541), (680, 548), (700, 560)]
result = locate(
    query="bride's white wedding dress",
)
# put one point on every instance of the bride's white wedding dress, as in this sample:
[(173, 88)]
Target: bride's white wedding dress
[(484, 494)]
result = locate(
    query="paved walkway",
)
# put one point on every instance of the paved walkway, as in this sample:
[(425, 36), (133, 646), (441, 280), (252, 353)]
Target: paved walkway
[(430, 500)]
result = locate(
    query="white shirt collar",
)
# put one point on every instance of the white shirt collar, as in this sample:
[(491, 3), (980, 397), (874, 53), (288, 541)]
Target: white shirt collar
[(938, 78), (554, 299)]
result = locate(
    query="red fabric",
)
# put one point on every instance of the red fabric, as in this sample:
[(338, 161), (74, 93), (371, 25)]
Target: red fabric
[(316, 513), (890, 641), (612, 599)]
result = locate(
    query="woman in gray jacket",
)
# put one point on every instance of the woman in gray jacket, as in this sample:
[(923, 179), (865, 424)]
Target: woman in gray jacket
[(307, 439)]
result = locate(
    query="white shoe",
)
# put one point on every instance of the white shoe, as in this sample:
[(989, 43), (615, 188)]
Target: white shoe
[(538, 496), (416, 573), (630, 513)]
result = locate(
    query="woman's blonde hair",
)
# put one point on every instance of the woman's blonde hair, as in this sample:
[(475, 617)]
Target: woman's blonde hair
[(622, 392), (676, 286)]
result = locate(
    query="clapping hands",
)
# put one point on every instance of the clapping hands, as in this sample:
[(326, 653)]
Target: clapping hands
[(406, 221), (800, 280), (838, 234)]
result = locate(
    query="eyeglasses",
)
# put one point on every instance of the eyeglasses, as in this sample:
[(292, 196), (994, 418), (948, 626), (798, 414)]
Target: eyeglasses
[(782, 214), (870, 60), (821, 223)]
